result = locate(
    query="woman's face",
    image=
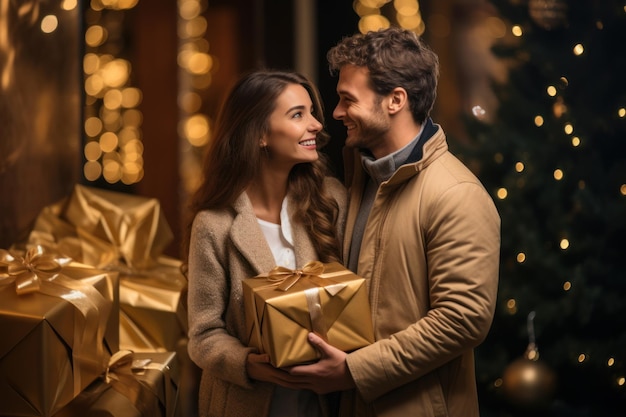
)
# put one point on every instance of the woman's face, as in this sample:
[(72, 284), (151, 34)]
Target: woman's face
[(293, 129)]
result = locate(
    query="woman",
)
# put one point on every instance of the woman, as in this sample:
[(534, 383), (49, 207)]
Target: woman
[(266, 199)]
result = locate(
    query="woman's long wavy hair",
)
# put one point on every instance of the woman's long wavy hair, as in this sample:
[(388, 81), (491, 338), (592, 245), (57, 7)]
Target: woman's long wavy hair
[(233, 158)]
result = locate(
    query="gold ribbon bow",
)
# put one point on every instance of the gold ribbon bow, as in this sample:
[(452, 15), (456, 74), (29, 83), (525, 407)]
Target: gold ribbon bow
[(119, 375), (285, 278), (120, 366), (29, 271)]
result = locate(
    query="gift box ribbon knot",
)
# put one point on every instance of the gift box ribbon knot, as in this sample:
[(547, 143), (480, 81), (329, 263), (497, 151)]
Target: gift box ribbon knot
[(28, 272), (120, 376)]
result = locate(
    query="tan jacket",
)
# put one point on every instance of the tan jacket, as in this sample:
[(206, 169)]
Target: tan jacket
[(227, 246), (431, 254)]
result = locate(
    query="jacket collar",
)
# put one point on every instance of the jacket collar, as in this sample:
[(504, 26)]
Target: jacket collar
[(248, 238), (426, 151), (428, 132)]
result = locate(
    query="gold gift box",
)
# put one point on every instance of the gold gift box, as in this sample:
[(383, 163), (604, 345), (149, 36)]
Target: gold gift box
[(148, 388), (283, 306), (103, 228), (150, 308), (56, 340)]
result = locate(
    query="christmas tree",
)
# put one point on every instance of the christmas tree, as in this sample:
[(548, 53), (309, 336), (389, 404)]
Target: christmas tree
[(554, 159)]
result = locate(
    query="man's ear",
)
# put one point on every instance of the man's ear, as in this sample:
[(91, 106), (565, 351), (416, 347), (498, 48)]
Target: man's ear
[(398, 99)]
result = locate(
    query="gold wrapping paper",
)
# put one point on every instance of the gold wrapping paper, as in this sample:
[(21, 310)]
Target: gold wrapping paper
[(98, 227), (150, 319), (56, 339), (136, 385), (283, 306)]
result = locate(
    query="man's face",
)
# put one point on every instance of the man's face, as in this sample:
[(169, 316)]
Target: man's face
[(360, 109)]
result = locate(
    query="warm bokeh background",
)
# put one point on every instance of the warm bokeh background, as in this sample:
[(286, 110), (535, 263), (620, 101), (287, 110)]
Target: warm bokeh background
[(121, 94)]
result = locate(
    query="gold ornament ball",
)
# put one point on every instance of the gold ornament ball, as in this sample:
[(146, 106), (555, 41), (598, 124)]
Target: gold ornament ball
[(548, 14), (529, 383)]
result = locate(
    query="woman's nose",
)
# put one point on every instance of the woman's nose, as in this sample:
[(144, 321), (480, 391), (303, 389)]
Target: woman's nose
[(316, 125)]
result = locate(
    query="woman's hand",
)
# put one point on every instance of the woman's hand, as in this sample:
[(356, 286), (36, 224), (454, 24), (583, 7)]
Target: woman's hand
[(259, 367)]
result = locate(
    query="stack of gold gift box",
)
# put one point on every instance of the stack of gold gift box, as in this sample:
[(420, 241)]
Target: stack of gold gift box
[(90, 311), (94, 324)]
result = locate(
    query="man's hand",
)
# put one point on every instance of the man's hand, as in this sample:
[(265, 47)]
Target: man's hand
[(330, 373)]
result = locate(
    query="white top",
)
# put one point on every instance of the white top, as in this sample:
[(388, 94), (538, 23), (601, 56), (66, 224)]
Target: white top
[(287, 402), (280, 240)]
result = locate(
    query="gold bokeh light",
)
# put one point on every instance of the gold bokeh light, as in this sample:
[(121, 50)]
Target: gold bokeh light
[(379, 14), (49, 24), (112, 118)]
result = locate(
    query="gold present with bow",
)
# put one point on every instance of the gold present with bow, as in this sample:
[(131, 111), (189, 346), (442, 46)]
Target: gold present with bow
[(128, 234), (134, 385), (284, 305), (57, 337)]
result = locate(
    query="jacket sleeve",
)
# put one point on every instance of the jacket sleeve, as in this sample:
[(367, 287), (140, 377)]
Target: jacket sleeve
[(461, 237), (211, 346)]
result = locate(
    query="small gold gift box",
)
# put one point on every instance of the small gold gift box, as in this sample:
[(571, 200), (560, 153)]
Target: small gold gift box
[(135, 385), (283, 306), (58, 331)]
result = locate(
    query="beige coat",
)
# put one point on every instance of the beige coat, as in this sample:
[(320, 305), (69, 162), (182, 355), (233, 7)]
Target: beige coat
[(431, 254), (227, 246)]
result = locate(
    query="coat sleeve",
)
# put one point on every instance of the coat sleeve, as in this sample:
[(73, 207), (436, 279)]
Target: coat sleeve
[(212, 345), (461, 235)]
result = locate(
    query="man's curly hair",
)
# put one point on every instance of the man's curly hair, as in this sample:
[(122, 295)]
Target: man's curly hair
[(394, 58)]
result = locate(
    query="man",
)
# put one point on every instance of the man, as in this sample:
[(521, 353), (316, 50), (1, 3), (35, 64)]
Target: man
[(421, 229)]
